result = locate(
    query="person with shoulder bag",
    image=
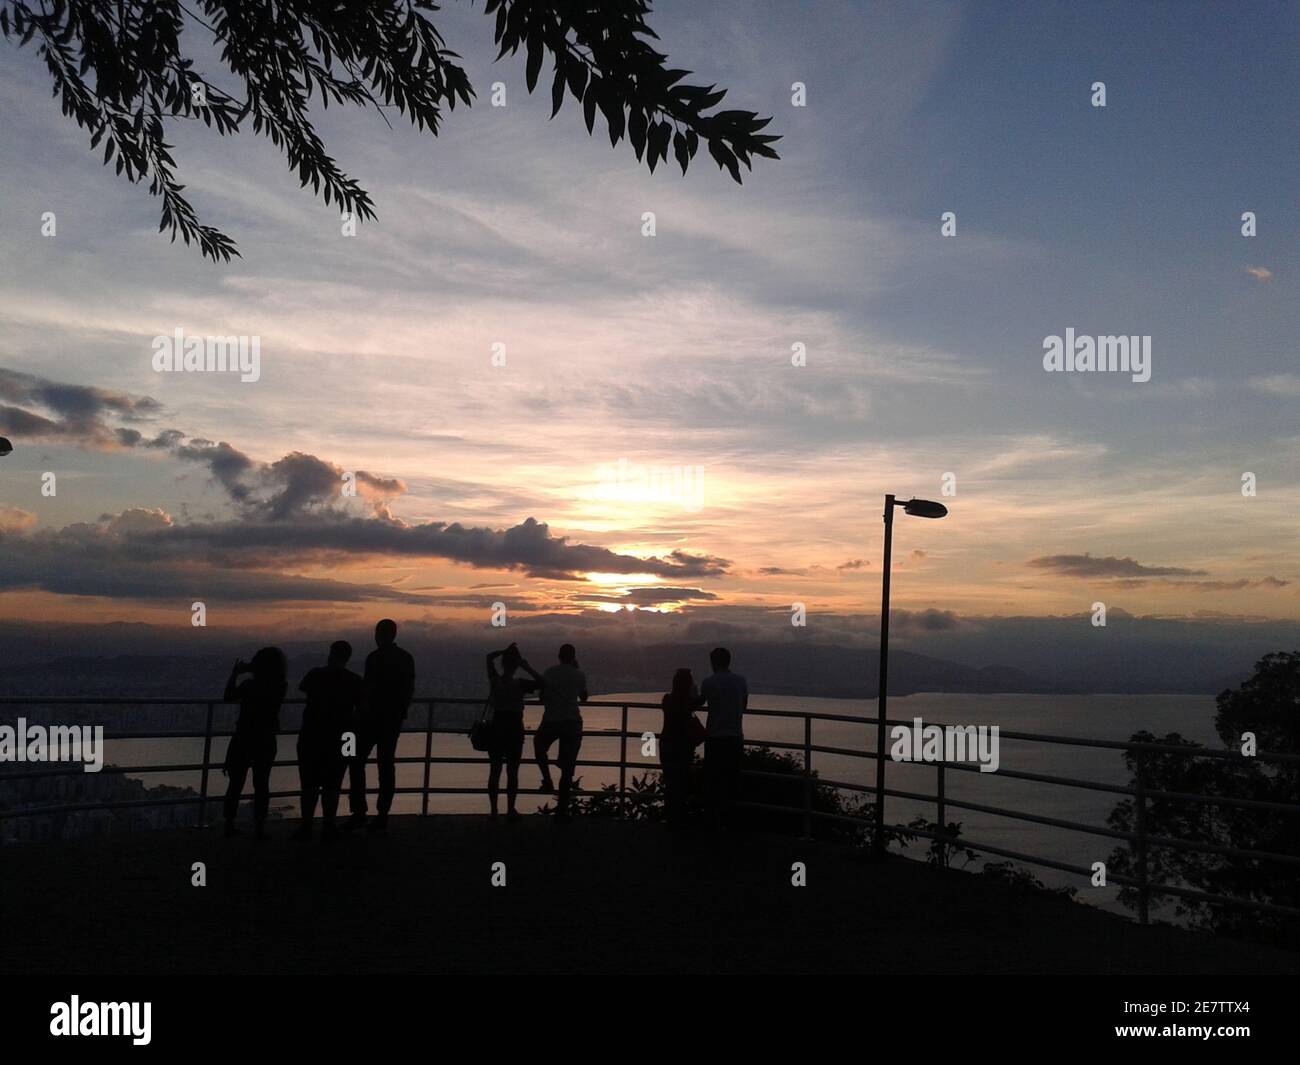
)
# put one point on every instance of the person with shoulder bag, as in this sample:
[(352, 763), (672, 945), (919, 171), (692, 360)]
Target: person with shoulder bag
[(503, 734)]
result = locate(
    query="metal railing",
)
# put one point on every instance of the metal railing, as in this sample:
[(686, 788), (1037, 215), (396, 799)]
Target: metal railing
[(1140, 839)]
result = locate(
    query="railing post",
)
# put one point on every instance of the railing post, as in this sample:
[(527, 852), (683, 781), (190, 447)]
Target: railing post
[(203, 784), (942, 843), (622, 767), (1140, 800), (807, 777), (428, 758), (207, 756), (882, 693)]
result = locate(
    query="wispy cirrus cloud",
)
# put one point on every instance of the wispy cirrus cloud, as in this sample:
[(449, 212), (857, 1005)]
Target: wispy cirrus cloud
[(1238, 585)]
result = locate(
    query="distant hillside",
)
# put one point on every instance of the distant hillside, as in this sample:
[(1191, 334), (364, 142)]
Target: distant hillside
[(810, 669), (457, 670), (1029, 655)]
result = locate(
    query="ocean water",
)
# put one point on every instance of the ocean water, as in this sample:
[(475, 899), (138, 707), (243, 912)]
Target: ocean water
[(1107, 717)]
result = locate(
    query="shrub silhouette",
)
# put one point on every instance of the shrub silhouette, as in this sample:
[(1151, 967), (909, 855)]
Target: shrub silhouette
[(1268, 706), (786, 787)]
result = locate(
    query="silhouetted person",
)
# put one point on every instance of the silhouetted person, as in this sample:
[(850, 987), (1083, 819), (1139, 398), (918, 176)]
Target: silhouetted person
[(507, 746), (253, 744), (334, 701), (677, 744), (389, 683), (564, 687), (726, 695)]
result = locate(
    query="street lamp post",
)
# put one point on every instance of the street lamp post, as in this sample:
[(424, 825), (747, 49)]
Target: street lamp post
[(921, 508)]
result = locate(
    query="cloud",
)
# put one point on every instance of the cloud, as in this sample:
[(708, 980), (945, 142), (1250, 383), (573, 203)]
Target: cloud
[(293, 511), (1087, 566), (104, 559), (853, 565), (1231, 586), (931, 620), (144, 554), (528, 546), (136, 520), (1261, 273), (1278, 384), (15, 519), (655, 595), (77, 414), (298, 481), (1128, 573), (282, 490)]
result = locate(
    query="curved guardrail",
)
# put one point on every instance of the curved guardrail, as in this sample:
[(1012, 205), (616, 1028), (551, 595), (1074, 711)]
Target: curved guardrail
[(1141, 839)]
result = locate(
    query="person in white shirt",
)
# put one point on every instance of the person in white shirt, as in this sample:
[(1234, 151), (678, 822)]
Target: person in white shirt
[(726, 695), (564, 688)]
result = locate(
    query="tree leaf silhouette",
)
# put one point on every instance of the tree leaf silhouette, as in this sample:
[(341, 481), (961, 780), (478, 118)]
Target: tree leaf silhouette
[(119, 71)]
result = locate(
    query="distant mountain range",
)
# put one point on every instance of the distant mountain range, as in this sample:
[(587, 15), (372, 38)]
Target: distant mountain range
[(811, 669), (780, 669), (1047, 656)]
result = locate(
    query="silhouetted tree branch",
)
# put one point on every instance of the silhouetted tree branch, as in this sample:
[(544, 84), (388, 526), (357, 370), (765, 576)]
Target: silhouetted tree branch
[(119, 70)]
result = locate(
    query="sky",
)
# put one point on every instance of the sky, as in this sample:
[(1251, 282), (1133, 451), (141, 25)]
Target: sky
[(510, 232)]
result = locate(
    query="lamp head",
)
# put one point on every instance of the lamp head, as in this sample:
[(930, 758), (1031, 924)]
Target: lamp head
[(924, 508), (5, 447)]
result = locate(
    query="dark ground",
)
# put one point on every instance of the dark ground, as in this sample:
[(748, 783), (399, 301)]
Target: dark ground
[(595, 896)]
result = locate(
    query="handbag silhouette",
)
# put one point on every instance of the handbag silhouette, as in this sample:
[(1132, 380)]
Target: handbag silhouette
[(480, 733)]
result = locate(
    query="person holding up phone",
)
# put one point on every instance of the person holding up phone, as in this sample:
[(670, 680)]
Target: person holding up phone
[(256, 730), (506, 749)]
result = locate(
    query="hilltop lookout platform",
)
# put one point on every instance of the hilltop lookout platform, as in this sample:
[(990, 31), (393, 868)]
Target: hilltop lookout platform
[(599, 895)]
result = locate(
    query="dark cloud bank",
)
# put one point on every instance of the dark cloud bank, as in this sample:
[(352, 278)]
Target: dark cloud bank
[(295, 511)]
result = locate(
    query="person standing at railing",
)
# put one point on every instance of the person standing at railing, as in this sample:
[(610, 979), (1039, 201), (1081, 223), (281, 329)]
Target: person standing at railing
[(507, 745), (726, 695), (334, 698), (389, 684), (677, 742), (564, 687), (256, 729)]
